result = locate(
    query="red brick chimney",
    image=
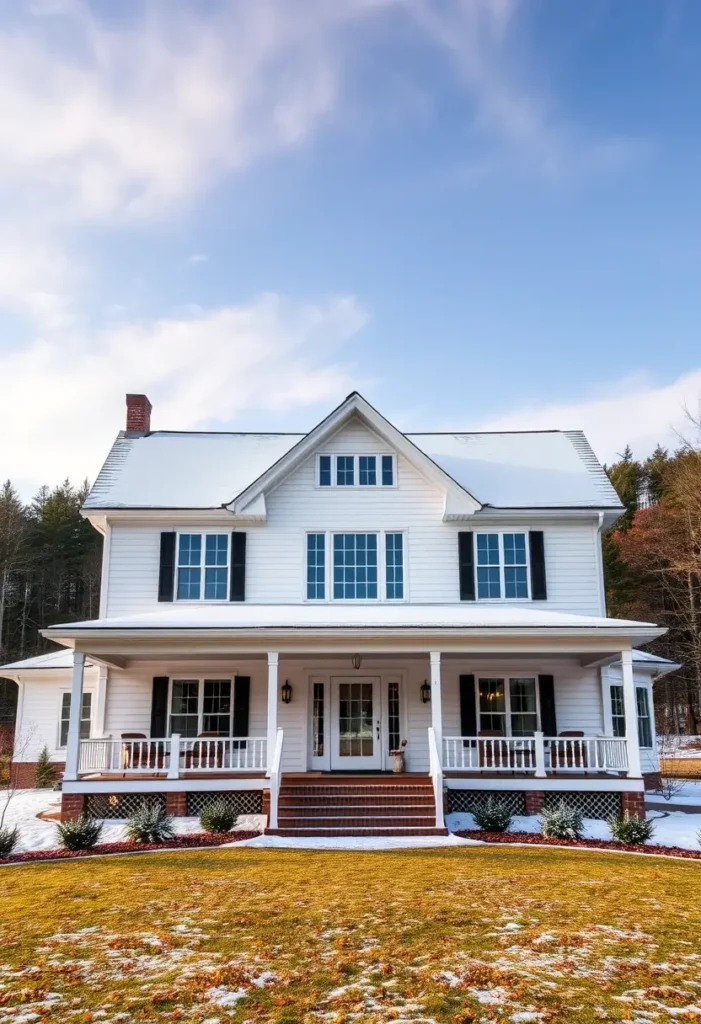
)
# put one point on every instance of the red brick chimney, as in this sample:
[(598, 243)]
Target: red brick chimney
[(138, 414)]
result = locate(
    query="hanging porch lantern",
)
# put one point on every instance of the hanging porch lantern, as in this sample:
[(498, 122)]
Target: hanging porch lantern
[(286, 692)]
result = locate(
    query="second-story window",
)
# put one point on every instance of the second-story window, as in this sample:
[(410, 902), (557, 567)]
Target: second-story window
[(203, 566), (502, 566), (355, 470)]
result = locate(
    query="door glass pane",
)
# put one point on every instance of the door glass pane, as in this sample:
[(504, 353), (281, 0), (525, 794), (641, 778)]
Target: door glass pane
[(524, 717), (318, 720), (216, 707), (355, 720), (492, 706)]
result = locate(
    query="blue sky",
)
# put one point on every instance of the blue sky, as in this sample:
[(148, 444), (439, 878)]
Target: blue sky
[(483, 214)]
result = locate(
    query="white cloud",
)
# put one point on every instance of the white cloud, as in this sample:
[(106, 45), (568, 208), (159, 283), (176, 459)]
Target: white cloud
[(636, 411), (197, 257), (201, 370)]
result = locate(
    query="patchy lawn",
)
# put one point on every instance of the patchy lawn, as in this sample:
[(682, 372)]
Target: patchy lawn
[(478, 934)]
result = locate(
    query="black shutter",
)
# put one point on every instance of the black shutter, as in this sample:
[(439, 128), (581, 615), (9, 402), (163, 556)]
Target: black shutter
[(468, 706), (166, 574), (237, 583), (159, 708), (539, 590), (242, 705), (548, 721), (467, 567)]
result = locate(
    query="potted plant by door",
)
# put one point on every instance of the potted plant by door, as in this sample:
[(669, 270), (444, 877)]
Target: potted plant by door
[(398, 763)]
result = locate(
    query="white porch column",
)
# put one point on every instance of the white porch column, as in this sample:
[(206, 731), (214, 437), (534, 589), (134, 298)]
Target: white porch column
[(100, 703), (73, 741), (436, 701), (631, 709), (273, 659)]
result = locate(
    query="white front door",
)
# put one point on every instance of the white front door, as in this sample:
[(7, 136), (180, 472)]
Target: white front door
[(356, 723)]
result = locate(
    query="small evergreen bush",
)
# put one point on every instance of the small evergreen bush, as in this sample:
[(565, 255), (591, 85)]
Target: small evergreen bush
[(493, 815), (45, 770), (633, 831), (150, 824), (217, 816), (79, 834), (9, 837), (562, 822)]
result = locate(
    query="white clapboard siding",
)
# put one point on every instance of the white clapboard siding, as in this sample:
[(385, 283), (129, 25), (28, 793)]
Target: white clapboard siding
[(276, 550), (39, 712)]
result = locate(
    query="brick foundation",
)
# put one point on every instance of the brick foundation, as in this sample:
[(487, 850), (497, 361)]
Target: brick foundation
[(534, 802), (634, 804), (72, 806), (176, 804), (653, 780), (24, 773)]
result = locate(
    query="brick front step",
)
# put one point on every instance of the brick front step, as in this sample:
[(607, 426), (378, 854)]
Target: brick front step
[(301, 810), (358, 831), (303, 803), (359, 821)]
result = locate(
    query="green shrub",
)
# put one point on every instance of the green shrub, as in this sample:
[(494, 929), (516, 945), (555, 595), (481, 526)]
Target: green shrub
[(217, 816), (493, 815), (45, 770), (150, 824), (9, 837), (562, 822), (80, 834), (634, 831)]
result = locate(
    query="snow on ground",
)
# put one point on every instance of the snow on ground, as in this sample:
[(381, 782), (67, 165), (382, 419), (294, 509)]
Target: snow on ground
[(688, 794), (672, 828), (36, 834)]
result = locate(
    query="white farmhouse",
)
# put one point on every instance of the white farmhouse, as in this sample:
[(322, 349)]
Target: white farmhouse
[(282, 613)]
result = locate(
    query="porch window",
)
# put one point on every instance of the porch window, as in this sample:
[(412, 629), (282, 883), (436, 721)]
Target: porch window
[(184, 707), (216, 707), (394, 554), (618, 714), (316, 566), (524, 708), (502, 566), (85, 718), (508, 707), (203, 566), (492, 706), (355, 566)]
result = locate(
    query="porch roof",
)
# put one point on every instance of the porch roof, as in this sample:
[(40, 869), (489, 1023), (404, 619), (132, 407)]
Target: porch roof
[(362, 619)]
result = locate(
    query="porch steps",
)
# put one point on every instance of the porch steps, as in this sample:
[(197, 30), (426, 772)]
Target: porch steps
[(361, 806)]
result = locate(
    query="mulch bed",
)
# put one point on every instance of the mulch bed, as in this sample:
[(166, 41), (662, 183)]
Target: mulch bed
[(535, 838), (179, 842)]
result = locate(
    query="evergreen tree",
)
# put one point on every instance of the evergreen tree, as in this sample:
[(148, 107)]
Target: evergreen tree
[(45, 770)]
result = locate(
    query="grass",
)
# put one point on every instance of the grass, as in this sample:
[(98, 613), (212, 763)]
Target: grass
[(294, 937), (681, 767)]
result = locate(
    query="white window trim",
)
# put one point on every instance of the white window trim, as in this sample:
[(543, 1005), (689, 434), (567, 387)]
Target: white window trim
[(502, 567), (202, 599), (381, 568), (200, 680), (62, 693), (356, 485), (507, 677)]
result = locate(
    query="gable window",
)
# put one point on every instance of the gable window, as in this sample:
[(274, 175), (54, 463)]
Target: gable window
[(367, 470), (203, 566), (345, 476), (355, 470), (618, 713), (85, 717), (394, 561), (502, 566), (508, 707), (355, 566), (316, 566), (200, 707)]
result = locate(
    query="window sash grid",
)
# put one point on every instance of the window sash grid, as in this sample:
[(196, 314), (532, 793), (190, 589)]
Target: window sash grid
[(206, 579), (490, 575)]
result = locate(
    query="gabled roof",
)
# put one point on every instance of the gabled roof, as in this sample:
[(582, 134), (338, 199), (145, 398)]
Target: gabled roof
[(493, 470)]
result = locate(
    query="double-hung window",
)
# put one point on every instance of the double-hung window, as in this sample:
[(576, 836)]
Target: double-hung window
[(200, 707), (502, 566), (203, 566), (360, 566), (618, 714), (508, 707), (85, 718), (356, 470), (355, 566), (316, 566)]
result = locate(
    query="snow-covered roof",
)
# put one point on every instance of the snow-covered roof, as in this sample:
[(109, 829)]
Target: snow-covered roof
[(170, 470), (55, 659), (291, 617)]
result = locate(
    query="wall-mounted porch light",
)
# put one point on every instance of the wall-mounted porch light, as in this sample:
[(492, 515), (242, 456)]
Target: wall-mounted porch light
[(425, 692), (286, 692)]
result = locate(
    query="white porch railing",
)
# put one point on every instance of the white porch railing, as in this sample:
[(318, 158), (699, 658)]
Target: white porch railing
[(173, 756), (275, 779), (535, 754), (436, 773)]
